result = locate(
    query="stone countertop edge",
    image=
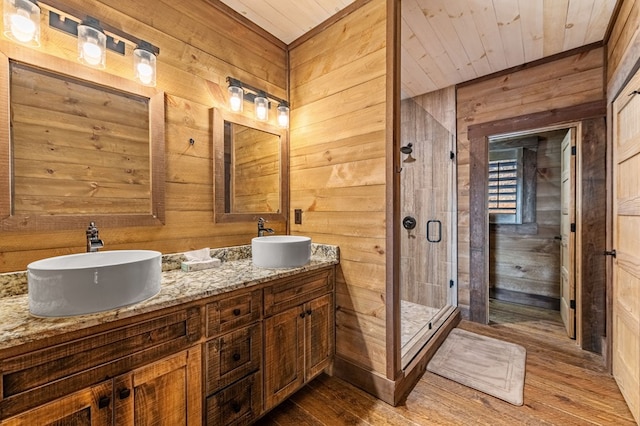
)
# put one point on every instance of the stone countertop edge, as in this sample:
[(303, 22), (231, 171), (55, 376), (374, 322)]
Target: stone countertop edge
[(237, 271)]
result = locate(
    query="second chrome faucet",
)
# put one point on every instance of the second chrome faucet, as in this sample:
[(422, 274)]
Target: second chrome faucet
[(262, 229), (94, 243)]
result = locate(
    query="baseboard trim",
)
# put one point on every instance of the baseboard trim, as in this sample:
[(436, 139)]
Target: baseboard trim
[(528, 299), (390, 391), (367, 380)]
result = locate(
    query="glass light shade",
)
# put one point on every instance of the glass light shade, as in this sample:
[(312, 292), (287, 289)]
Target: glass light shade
[(261, 108), (236, 98), (283, 116), (92, 46), (22, 21), (144, 66)]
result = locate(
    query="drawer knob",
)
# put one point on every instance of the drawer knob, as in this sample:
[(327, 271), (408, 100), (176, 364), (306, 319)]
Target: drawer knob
[(124, 393), (236, 312), (236, 357), (104, 402), (309, 311), (236, 407), (302, 314)]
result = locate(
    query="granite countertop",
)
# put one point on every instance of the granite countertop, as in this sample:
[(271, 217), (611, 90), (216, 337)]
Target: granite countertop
[(237, 271)]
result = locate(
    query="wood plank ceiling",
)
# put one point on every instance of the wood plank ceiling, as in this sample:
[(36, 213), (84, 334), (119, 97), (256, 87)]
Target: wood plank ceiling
[(445, 42)]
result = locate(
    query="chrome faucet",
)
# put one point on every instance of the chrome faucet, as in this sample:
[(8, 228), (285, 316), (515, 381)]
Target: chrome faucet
[(262, 229), (93, 240)]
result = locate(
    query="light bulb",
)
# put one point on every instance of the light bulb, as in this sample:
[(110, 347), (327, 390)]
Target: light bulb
[(22, 28), (144, 63), (92, 43), (22, 21), (283, 116), (91, 52), (145, 72), (261, 108), (261, 112), (236, 97)]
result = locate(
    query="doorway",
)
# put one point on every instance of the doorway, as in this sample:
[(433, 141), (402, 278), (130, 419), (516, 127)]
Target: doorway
[(590, 213), (531, 193)]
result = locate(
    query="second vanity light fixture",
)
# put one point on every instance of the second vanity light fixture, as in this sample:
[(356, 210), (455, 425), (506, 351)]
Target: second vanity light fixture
[(22, 24), (240, 92)]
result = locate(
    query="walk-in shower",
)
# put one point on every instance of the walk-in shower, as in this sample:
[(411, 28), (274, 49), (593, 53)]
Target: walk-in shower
[(427, 181)]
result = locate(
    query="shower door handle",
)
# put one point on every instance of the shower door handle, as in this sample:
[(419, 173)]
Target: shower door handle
[(439, 224)]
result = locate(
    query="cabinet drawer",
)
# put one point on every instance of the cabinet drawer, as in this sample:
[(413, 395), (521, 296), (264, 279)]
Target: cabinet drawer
[(233, 312), (239, 404), (232, 356), (296, 290)]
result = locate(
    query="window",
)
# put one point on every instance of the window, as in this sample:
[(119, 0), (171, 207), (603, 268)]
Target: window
[(505, 186)]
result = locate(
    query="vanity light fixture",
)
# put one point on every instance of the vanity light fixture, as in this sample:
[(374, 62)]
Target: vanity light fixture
[(22, 21), (240, 92), (94, 38), (144, 63), (92, 43)]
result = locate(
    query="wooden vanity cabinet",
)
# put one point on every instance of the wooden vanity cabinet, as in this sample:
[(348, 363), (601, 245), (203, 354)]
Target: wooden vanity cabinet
[(130, 374), (298, 333), (233, 359), (165, 392), (225, 360)]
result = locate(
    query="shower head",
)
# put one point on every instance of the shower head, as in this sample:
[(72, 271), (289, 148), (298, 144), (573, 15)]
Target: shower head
[(407, 149)]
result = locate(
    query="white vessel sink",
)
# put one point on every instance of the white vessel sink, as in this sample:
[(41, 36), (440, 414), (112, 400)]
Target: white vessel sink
[(280, 251), (92, 282)]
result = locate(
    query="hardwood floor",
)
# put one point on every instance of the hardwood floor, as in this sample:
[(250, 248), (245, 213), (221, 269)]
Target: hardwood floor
[(563, 386)]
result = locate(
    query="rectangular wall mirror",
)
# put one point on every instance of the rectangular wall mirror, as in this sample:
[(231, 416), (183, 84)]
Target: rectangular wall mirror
[(77, 150), (250, 166)]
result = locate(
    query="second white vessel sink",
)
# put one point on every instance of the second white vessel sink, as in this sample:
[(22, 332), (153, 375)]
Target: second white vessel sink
[(86, 283), (281, 251)]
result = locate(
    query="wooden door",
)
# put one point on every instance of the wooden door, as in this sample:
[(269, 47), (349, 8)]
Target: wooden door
[(626, 241), (318, 335), (167, 392), (88, 407), (284, 355), (567, 251)]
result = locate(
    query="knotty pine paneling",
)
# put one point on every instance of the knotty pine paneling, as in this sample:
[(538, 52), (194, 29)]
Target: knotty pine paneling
[(556, 84), (338, 172), (199, 47)]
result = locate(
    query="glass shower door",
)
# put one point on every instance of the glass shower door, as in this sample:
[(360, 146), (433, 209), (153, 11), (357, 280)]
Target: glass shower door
[(427, 277)]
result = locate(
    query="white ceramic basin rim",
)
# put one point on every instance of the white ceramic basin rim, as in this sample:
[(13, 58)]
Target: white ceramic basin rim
[(281, 251), (87, 283)]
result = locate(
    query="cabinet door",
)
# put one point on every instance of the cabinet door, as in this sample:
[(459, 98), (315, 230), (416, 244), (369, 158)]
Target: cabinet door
[(167, 392), (319, 335), (87, 407), (284, 355)]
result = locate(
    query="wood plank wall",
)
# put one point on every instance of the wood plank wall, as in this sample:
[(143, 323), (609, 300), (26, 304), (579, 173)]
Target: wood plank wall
[(199, 47), (524, 260), (566, 82), (337, 169), (623, 45)]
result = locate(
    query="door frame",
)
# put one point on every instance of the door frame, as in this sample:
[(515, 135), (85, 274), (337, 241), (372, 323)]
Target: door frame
[(478, 136)]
